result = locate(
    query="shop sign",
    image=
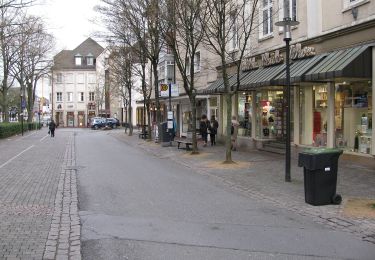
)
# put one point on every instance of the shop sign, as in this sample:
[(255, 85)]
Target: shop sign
[(273, 58), (267, 59), (297, 52)]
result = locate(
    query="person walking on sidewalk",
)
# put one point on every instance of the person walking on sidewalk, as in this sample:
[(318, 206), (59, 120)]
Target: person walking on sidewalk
[(52, 127), (214, 125), (203, 128), (234, 132)]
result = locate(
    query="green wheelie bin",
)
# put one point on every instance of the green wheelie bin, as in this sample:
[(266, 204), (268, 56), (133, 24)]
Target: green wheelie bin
[(320, 175)]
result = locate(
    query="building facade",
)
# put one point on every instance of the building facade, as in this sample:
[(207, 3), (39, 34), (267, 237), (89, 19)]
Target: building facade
[(332, 75), (75, 85)]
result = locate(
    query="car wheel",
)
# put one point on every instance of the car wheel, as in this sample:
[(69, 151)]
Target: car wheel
[(96, 127)]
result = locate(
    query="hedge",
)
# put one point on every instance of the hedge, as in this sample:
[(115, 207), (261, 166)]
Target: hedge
[(10, 129)]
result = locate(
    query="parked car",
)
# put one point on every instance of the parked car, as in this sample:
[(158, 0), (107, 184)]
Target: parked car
[(97, 122), (112, 122)]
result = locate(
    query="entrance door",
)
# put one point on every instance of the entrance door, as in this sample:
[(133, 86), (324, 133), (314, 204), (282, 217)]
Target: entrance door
[(81, 119), (70, 119)]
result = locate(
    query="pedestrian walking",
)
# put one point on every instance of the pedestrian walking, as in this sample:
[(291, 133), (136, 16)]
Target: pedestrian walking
[(203, 128), (234, 132), (52, 127), (214, 125)]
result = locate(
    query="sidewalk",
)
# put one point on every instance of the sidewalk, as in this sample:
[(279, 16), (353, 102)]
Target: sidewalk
[(38, 197), (260, 175)]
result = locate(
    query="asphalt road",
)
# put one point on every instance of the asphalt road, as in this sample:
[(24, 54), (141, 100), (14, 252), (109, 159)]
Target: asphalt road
[(137, 206)]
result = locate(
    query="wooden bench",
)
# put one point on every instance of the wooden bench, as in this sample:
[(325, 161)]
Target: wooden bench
[(187, 143)]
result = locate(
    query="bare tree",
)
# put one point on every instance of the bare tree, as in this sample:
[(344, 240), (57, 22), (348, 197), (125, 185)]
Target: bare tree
[(132, 33), (183, 35), (121, 65), (8, 23), (230, 22), (32, 63), (10, 12), (144, 23)]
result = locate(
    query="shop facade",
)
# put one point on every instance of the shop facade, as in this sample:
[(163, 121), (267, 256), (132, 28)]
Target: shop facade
[(332, 102)]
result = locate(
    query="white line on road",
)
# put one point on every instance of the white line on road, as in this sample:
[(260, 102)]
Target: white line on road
[(11, 159), (43, 138)]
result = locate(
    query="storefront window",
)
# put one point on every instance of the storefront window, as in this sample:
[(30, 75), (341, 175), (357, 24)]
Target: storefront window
[(270, 115), (353, 117), (313, 115), (245, 113)]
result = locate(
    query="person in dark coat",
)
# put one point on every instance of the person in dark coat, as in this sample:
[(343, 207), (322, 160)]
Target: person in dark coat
[(214, 125), (52, 127), (203, 128)]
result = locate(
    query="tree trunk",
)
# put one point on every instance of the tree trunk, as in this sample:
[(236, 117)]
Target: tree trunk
[(30, 102), (228, 137), (156, 86), (194, 123), (4, 104), (130, 114)]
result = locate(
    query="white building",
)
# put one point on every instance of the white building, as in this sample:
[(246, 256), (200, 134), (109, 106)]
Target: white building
[(75, 84)]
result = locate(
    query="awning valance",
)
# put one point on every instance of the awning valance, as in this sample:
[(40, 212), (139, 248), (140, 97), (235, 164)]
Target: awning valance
[(349, 63)]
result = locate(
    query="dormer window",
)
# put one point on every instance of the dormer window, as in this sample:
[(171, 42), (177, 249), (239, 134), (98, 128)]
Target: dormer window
[(78, 59), (90, 60)]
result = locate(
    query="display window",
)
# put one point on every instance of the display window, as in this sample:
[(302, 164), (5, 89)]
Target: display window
[(313, 115), (245, 113), (353, 116), (320, 115), (270, 116)]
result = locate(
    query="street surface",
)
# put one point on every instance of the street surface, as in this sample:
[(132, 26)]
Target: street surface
[(135, 205), (103, 195)]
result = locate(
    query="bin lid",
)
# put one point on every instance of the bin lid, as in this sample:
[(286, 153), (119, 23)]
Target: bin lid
[(313, 151)]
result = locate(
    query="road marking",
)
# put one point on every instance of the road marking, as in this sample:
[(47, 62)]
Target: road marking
[(11, 159), (43, 138)]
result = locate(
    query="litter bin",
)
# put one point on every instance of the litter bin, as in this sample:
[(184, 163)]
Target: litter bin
[(164, 135), (320, 175)]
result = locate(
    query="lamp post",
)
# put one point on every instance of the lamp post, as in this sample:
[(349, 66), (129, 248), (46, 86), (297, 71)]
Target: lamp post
[(286, 23)]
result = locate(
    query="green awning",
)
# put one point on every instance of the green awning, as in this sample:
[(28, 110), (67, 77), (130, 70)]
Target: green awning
[(260, 77), (298, 69), (348, 63), (217, 86)]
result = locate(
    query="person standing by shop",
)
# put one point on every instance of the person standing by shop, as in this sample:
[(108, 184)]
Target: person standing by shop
[(52, 127), (234, 132), (203, 128), (214, 125)]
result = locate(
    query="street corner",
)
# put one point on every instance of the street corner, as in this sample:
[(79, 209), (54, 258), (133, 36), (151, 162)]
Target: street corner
[(359, 208)]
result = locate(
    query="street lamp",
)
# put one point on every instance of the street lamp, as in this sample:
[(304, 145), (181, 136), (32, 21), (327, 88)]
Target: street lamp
[(286, 23)]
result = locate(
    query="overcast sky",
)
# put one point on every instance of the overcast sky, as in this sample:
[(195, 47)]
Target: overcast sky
[(71, 21)]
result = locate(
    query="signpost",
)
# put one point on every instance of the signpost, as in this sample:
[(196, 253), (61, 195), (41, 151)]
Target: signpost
[(169, 90)]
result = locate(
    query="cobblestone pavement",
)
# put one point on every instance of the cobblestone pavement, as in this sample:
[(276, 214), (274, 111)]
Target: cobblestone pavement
[(263, 178), (38, 197)]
